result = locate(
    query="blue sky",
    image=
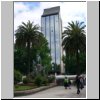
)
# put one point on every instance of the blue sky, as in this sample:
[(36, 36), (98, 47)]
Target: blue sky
[(70, 11), (32, 5)]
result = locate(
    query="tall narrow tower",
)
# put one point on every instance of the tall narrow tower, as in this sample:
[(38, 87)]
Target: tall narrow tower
[(51, 27)]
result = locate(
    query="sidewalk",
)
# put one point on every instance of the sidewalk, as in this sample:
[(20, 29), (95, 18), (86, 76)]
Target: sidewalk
[(58, 92)]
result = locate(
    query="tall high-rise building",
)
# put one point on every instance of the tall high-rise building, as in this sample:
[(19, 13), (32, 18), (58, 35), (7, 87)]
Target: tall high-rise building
[(51, 27)]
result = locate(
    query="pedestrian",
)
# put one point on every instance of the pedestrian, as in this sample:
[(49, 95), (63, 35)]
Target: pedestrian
[(78, 83), (81, 82), (69, 83), (84, 81), (65, 82)]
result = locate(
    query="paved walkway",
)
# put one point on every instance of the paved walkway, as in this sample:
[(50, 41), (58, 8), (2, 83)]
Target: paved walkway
[(58, 92)]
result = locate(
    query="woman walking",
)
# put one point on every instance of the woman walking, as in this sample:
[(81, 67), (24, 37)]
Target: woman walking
[(65, 82)]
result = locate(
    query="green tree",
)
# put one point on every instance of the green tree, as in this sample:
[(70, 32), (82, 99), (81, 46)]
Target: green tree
[(20, 61), (71, 65), (30, 43), (74, 40), (42, 49), (17, 77), (26, 35)]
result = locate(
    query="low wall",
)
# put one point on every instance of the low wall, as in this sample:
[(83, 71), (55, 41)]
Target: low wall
[(27, 92), (60, 79)]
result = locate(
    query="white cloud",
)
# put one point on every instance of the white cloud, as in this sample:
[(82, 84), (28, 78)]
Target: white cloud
[(19, 7), (69, 11)]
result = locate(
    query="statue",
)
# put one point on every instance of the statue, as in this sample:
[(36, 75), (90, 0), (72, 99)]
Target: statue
[(38, 58), (39, 66)]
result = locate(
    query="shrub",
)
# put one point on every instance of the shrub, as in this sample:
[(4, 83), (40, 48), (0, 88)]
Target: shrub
[(44, 81), (51, 79), (38, 80), (17, 77), (26, 80)]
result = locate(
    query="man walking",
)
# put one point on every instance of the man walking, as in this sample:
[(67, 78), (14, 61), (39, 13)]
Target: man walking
[(78, 83)]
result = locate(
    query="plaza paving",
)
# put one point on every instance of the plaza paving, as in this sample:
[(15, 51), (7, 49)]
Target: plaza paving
[(57, 92)]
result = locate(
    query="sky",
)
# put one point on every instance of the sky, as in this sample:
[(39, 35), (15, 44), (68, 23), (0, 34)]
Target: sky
[(70, 11)]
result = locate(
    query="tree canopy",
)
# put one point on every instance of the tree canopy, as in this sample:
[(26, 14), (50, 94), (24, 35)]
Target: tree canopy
[(74, 41)]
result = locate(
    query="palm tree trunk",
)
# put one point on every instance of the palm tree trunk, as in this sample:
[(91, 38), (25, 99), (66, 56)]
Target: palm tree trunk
[(28, 56), (77, 58)]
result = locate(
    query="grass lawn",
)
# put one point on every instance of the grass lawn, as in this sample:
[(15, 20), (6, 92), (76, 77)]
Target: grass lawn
[(21, 87)]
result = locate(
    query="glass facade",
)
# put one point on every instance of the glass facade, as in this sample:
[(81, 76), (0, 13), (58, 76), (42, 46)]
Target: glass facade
[(57, 39), (52, 49), (43, 25), (50, 27)]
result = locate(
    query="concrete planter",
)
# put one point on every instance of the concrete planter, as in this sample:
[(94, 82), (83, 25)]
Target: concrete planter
[(26, 92)]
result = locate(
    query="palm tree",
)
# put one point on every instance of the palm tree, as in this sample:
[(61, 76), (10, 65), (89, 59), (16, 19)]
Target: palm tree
[(74, 40), (26, 35)]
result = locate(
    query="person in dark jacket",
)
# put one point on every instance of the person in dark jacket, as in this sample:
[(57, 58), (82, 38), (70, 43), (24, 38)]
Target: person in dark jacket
[(69, 83), (78, 83), (81, 82)]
